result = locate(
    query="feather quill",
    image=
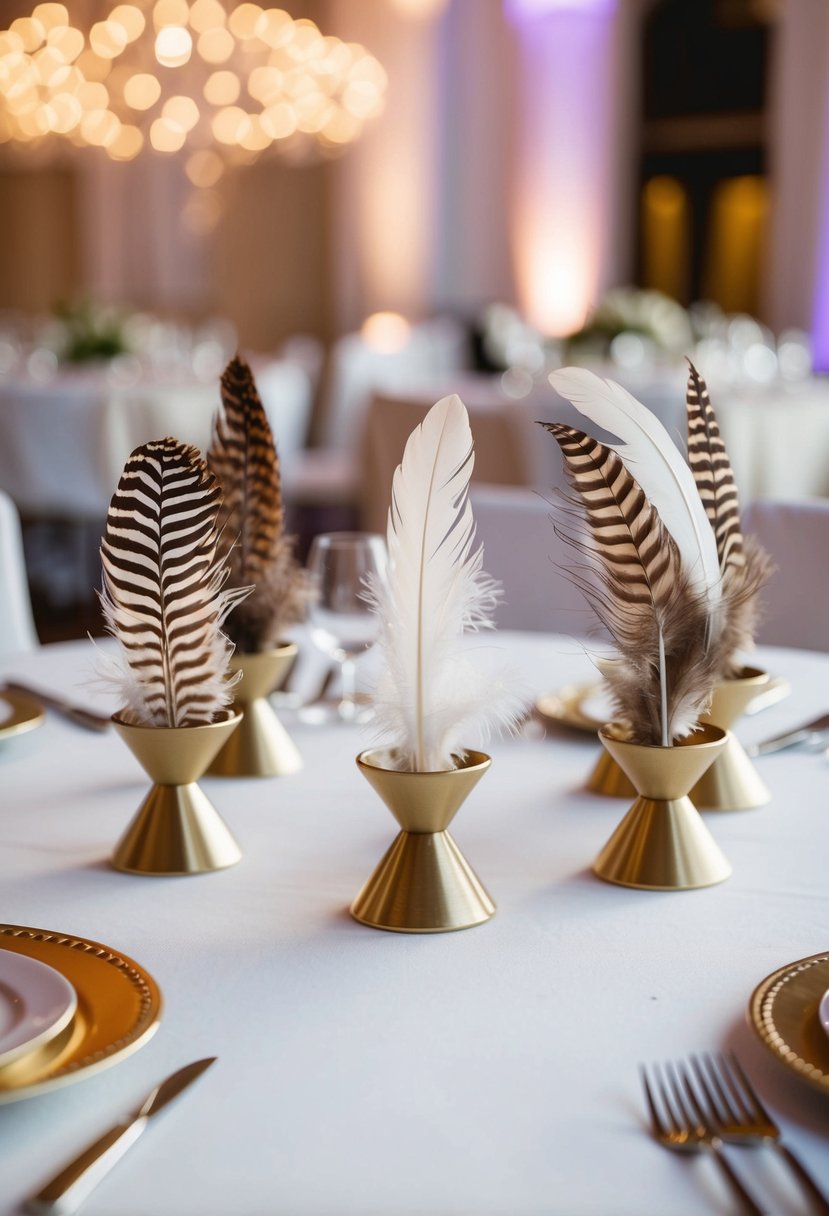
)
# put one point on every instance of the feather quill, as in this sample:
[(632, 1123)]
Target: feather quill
[(744, 564), (430, 696), (650, 454), (162, 596), (643, 594), (243, 457)]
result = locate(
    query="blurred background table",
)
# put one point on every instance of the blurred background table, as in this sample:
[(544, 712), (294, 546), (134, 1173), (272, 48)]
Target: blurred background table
[(64, 442)]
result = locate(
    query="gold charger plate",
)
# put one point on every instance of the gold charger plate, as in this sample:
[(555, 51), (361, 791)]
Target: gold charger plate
[(119, 1007), (784, 1012), (27, 713), (566, 706)]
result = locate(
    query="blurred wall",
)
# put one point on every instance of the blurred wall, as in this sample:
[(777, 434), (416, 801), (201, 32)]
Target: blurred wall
[(40, 259)]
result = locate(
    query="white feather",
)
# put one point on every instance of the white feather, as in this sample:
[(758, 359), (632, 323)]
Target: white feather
[(431, 697), (655, 461)]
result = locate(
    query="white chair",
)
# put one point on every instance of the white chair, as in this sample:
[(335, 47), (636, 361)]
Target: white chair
[(523, 551), (433, 351), (17, 626), (796, 598)]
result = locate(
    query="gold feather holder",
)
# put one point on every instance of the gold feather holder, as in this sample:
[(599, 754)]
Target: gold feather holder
[(176, 830), (732, 782), (662, 843), (260, 747), (423, 884)]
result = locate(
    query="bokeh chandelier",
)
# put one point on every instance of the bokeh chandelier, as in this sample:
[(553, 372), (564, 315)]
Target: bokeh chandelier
[(220, 81)]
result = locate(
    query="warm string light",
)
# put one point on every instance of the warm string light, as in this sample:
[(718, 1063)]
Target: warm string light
[(174, 74)]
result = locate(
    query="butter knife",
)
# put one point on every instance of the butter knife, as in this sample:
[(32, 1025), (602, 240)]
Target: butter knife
[(65, 1193), (790, 738), (81, 717)]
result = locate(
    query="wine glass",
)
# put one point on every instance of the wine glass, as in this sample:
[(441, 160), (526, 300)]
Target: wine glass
[(341, 623)]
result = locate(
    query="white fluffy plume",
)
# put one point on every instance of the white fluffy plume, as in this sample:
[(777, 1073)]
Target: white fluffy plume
[(654, 460), (431, 699)]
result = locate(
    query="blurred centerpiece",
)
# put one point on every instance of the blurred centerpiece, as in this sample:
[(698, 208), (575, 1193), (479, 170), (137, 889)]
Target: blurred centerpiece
[(226, 81), (253, 543)]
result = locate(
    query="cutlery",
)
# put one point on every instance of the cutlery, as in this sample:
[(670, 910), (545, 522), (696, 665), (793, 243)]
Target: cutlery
[(65, 1193), (806, 732), (678, 1123), (739, 1116), (81, 717)]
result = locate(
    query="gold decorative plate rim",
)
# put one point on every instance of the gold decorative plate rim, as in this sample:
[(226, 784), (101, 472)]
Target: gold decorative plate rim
[(27, 713), (119, 1010), (563, 707), (783, 1011)]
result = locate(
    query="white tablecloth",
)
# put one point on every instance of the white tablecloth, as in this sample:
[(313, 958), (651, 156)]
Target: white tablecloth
[(63, 444), (778, 440), (492, 1071)]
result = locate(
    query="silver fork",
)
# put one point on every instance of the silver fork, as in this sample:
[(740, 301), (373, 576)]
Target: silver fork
[(740, 1117), (677, 1123)]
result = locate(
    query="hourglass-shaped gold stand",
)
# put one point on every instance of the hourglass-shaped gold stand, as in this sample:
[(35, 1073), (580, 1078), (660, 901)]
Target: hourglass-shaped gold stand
[(732, 782), (176, 830), (261, 747), (423, 884), (662, 843)]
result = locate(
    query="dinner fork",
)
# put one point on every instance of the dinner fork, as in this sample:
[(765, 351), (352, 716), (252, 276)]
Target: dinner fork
[(678, 1123), (739, 1116)]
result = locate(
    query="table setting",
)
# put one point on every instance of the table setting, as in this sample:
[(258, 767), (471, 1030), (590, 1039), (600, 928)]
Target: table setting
[(355, 1051)]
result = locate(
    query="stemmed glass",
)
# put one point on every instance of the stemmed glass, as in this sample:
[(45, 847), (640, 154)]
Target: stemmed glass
[(340, 620)]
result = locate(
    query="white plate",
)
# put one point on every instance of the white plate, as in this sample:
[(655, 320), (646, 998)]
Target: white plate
[(36, 1003)]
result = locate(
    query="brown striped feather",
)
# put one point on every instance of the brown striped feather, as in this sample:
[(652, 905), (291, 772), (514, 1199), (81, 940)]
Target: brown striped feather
[(243, 457), (639, 590), (744, 564), (162, 595), (712, 472)]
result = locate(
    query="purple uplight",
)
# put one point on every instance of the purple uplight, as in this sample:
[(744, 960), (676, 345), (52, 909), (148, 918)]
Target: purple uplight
[(563, 180), (529, 10), (820, 302)]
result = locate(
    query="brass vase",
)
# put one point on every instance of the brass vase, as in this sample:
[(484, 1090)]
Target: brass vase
[(609, 779), (176, 830), (261, 747), (732, 783), (662, 843), (423, 884)]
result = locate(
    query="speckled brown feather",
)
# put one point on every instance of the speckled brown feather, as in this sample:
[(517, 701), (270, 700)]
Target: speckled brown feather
[(243, 457)]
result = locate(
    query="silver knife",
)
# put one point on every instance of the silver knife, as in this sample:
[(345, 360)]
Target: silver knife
[(790, 738), (65, 1193)]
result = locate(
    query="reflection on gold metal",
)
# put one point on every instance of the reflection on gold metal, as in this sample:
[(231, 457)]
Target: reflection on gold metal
[(26, 713), (423, 884), (784, 1012), (609, 779), (177, 830), (260, 746), (732, 783), (662, 843), (119, 1007)]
